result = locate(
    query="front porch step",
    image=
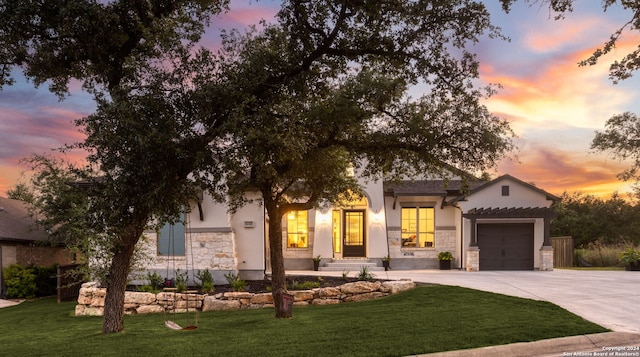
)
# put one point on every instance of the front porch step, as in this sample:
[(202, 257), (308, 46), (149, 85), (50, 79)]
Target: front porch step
[(350, 265)]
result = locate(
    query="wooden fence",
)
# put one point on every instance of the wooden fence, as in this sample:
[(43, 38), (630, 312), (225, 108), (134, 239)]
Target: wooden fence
[(69, 282), (562, 251)]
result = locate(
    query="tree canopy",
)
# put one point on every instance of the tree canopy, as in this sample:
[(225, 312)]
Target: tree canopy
[(327, 86), (284, 110), (620, 69)]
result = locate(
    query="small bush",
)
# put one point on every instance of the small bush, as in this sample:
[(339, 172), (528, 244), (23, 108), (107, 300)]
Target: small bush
[(601, 255), (365, 274), (305, 285), (206, 281), (236, 283), (46, 280), (20, 282)]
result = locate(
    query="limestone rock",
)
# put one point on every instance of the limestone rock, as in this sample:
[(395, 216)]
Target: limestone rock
[(360, 287), (325, 301), (397, 286), (264, 298), (212, 304), (132, 297), (301, 295), (330, 292), (365, 296), (150, 309)]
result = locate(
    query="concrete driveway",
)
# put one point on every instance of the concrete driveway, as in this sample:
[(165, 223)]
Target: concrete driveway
[(609, 298)]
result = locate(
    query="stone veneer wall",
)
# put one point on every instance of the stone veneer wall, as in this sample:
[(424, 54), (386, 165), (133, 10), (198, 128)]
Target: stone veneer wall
[(421, 258), (214, 250), (91, 299)]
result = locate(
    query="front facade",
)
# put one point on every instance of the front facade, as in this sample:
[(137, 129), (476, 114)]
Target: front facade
[(501, 224)]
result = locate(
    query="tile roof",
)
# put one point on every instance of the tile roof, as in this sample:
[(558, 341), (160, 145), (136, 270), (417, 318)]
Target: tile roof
[(16, 223)]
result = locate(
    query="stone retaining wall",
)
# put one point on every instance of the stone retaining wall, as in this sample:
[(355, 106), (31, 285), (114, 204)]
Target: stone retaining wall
[(91, 299)]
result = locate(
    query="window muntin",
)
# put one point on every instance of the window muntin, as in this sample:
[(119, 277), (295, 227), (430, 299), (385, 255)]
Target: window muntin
[(418, 227), (171, 239), (298, 229)]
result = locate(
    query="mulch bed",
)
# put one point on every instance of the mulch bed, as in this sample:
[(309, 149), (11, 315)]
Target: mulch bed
[(263, 286)]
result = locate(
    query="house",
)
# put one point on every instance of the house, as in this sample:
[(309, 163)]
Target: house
[(22, 240), (502, 224)]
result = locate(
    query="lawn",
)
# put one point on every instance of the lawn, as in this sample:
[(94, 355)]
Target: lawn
[(424, 320)]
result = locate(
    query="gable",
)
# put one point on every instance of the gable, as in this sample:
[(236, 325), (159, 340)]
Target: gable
[(508, 191)]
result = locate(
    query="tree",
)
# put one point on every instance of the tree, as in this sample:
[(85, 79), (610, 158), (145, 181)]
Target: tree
[(327, 87), (619, 69), (114, 48), (589, 219), (21, 192), (621, 139)]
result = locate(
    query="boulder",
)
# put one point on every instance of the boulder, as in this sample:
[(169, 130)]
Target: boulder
[(364, 296), (360, 287), (397, 286), (213, 304), (302, 295), (150, 309), (264, 298), (138, 298), (330, 292), (325, 301)]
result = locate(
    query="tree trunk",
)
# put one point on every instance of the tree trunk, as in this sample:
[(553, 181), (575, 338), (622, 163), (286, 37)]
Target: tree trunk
[(278, 278), (117, 283)]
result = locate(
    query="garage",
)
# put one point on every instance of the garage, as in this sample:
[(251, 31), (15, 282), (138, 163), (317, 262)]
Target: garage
[(506, 246)]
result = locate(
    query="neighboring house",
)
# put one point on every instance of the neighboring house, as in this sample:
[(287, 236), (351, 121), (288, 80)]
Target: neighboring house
[(22, 241), (502, 224)]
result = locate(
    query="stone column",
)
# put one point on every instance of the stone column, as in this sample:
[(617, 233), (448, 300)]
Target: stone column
[(546, 258), (473, 258)]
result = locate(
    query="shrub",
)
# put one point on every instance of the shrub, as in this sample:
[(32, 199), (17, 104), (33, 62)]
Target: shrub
[(206, 281), (236, 283), (305, 285), (365, 274), (155, 280), (46, 280), (20, 281)]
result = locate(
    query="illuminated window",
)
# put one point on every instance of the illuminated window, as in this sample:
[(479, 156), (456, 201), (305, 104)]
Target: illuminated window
[(171, 239), (418, 227), (298, 229)]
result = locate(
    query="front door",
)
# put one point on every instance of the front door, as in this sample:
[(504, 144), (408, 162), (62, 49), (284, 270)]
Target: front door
[(354, 237)]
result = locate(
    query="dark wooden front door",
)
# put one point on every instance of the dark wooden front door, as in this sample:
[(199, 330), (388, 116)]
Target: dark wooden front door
[(506, 246), (354, 239)]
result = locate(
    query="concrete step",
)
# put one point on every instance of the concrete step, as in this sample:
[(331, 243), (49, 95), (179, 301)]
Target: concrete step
[(351, 265)]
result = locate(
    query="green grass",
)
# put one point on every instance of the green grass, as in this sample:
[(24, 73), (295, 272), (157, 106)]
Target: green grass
[(423, 320)]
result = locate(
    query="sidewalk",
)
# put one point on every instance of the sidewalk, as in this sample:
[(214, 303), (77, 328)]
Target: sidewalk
[(7, 303), (600, 344)]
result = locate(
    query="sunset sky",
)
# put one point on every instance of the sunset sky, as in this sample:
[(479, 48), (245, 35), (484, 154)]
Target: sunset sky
[(553, 105)]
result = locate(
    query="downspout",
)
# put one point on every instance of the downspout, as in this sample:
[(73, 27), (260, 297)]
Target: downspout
[(265, 237), (461, 236)]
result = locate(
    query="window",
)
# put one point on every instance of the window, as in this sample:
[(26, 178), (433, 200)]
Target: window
[(171, 239), (418, 227), (298, 229), (505, 190)]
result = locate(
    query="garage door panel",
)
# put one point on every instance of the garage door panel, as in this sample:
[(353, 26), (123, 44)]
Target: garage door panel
[(506, 246)]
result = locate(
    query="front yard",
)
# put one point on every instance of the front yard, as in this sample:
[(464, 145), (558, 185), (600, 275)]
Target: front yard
[(424, 320)]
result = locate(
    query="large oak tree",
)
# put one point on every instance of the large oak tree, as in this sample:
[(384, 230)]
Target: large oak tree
[(116, 50), (328, 86)]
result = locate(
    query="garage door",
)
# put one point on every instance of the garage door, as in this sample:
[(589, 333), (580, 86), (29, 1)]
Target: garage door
[(506, 246)]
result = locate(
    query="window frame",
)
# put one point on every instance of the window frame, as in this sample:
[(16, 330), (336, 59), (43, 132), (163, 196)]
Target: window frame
[(168, 248), (422, 234), (295, 237)]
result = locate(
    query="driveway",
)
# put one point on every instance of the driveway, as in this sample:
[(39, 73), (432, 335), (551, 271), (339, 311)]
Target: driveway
[(608, 298)]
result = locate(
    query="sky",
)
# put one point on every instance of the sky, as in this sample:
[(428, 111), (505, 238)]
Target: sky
[(553, 105)]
